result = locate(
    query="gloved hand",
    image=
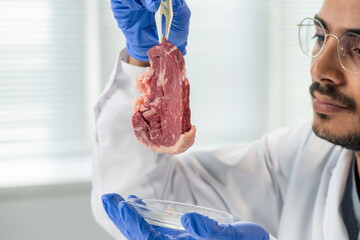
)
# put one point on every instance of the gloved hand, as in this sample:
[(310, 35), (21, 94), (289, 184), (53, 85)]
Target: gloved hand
[(136, 20), (201, 227), (133, 226)]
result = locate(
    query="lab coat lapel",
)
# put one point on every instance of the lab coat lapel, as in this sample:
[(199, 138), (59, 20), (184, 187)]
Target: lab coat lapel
[(333, 224)]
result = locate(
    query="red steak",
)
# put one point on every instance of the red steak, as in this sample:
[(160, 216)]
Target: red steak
[(161, 117)]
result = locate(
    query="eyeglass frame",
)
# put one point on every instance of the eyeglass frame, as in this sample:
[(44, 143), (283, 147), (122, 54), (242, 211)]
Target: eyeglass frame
[(325, 39)]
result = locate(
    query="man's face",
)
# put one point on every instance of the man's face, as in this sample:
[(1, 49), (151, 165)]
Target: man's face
[(335, 91)]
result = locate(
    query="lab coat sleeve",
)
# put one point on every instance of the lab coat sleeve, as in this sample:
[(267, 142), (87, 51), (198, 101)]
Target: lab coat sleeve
[(248, 181)]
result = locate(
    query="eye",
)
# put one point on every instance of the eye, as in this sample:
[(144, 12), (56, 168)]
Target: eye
[(350, 44), (356, 51), (319, 38), (352, 50)]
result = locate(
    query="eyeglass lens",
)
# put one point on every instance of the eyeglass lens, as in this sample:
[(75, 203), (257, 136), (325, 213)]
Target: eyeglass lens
[(312, 38)]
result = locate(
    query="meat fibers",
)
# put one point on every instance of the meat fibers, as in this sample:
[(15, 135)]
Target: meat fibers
[(161, 117)]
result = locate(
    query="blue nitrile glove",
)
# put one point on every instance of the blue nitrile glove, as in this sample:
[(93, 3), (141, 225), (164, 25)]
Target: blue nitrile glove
[(201, 227), (132, 225), (198, 227), (136, 20)]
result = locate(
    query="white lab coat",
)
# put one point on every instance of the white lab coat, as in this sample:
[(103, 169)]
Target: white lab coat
[(290, 181)]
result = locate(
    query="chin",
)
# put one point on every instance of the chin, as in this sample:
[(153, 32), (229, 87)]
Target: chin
[(340, 133)]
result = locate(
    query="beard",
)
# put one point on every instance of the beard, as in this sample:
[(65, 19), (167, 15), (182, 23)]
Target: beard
[(350, 139)]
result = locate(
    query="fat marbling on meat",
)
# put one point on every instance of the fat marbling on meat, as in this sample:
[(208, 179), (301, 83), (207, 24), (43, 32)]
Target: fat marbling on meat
[(161, 117)]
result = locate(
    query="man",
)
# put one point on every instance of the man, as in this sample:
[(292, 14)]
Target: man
[(298, 183)]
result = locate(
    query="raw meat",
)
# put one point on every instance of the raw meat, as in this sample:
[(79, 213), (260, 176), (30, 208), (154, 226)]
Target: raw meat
[(161, 117)]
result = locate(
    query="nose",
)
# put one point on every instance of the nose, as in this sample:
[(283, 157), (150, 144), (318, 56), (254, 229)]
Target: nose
[(326, 68)]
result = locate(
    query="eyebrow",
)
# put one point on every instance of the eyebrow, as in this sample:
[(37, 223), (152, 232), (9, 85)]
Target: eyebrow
[(353, 30), (321, 21)]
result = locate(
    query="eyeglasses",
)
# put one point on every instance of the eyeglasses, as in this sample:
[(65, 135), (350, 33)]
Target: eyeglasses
[(312, 39)]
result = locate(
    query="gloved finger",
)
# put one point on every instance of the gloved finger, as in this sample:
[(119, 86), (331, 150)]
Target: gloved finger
[(177, 5), (181, 19), (132, 196), (181, 13), (202, 227), (135, 224), (132, 4), (250, 231), (180, 25), (151, 5), (110, 203), (177, 234), (136, 199)]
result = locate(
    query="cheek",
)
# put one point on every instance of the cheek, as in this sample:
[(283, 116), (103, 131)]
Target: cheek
[(357, 100), (312, 68), (354, 86)]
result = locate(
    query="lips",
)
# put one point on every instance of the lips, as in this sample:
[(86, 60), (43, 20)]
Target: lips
[(326, 105)]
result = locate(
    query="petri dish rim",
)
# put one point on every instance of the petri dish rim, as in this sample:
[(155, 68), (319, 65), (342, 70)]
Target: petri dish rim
[(223, 218)]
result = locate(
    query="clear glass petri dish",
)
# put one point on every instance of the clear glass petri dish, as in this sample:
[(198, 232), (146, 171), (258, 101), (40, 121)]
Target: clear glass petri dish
[(168, 214)]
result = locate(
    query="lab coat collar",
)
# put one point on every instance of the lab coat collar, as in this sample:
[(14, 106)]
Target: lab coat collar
[(333, 224)]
